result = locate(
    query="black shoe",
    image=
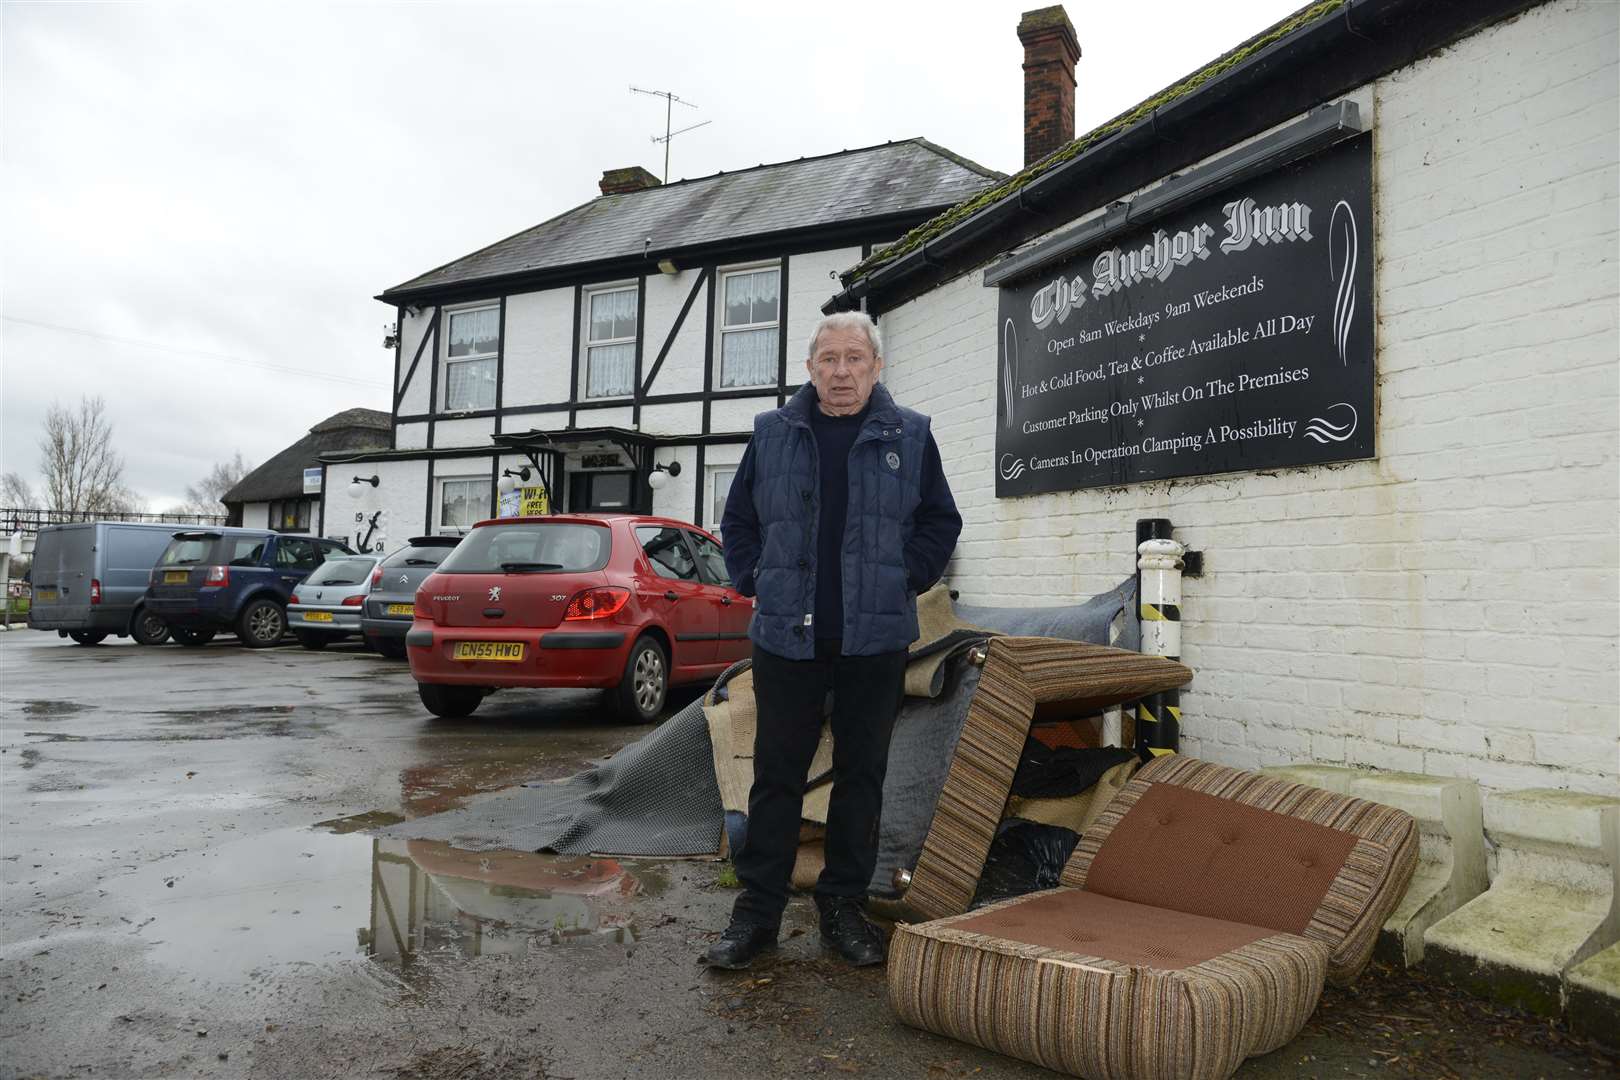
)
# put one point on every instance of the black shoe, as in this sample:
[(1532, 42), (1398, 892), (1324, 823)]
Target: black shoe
[(846, 931), (739, 945)]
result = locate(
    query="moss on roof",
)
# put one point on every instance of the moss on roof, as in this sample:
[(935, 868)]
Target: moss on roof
[(959, 213)]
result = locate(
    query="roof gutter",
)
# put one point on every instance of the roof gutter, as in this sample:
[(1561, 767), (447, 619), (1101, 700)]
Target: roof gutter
[(1375, 29)]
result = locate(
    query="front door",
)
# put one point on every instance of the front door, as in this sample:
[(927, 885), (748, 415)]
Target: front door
[(677, 593), (601, 492)]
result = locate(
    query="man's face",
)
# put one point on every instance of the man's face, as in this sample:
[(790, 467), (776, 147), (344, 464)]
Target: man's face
[(843, 370)]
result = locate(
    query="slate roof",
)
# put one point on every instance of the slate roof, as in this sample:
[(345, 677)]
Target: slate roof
[(873, 182), (282, 477)]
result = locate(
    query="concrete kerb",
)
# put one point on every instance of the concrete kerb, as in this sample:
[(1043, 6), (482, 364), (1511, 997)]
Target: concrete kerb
[(1592, 996), (1552, 902), (1451, 852)]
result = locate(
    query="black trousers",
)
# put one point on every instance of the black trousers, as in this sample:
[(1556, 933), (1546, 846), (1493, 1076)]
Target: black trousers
[(791, 697)]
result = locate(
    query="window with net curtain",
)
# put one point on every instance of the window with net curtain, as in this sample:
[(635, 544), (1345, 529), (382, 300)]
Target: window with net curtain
[(469, 369), (610, 354), (749, 315), (463, 502)]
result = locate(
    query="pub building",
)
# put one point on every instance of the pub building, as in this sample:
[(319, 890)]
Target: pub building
[(1340, 308)]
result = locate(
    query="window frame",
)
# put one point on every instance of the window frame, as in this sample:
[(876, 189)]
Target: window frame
[(492, 358), (440, 525), (586, 343), (302, 516), (693, 541), (697, 577), (721, 329), (715, 506)]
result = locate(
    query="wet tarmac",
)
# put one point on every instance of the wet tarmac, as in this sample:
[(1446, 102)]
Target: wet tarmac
[(188, 887)]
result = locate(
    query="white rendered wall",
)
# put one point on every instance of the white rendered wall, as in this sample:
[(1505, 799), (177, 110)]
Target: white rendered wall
[(399, 494), (538, 347), (474, 431), (1451, 606), (810, 281), (411, 329), (682, 372), (256, 515)]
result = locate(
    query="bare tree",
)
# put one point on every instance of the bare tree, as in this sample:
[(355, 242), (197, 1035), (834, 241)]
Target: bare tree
[(204, 496), (83, 472), (15, 492)]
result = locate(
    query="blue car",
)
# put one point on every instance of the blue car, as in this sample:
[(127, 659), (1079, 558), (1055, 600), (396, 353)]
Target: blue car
[(233, 580)]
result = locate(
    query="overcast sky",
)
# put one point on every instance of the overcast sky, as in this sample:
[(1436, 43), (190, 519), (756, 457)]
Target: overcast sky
[(200, 200)]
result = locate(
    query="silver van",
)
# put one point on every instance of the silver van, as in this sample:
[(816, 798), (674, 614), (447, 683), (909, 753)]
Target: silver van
[(90, 581)]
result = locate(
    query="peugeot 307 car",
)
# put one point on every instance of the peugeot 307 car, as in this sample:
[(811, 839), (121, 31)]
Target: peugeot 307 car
[(391, 604), (627, 603), (325, 607)]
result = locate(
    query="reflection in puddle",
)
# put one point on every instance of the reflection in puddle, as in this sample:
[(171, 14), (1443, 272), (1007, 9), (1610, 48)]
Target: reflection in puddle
[(229, 914)]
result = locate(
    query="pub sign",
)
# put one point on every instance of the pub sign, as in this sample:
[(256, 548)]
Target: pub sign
[(1236, 333)]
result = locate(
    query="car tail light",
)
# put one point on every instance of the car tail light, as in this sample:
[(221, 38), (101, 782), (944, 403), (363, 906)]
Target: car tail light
[(95, 591), (353, 601), (218, 575), (376, 577), (293, 599), (597, 603)]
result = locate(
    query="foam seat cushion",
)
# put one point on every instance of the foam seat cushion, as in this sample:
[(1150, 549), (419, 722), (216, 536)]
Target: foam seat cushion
[(1229, 844), (1106, 988)]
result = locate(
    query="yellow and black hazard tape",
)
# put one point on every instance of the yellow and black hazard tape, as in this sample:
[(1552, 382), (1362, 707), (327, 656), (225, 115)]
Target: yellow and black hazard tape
[(1160, 612)]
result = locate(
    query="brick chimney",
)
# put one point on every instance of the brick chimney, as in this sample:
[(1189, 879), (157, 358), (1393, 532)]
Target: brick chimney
[(635, 178), (1050, 52)]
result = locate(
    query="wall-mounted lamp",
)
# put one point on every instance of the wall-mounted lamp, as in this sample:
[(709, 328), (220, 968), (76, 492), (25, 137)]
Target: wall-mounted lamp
[(507, 483), (661, 474), (667, 266), (358, 485)]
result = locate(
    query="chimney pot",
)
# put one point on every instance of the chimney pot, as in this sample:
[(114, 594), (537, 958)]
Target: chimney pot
[(1051, 51), (622, 181)]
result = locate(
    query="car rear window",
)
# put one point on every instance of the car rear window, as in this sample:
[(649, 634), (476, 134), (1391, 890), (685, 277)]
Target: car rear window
[(213, 550), (419, 555), (343, 570), (561, 547)]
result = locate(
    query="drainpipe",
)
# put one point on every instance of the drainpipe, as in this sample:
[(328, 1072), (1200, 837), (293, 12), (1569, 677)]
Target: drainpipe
[(1158, 716)]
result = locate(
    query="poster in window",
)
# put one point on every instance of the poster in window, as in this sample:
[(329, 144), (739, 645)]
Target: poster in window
[(535, 502)]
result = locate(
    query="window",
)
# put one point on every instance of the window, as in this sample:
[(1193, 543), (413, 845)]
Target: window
[(469, 365), (342, 570), (463, 502), (749, 313), (245, 551), (291, 515), (588, 491), (296, 554), (610, 352), (539, 549), (720, 477), (667, 551), (711, 559)]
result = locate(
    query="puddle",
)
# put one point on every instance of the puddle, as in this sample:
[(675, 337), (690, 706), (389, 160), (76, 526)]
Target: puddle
[(42, 708), (30, 757), (371, 819), (230, 914)]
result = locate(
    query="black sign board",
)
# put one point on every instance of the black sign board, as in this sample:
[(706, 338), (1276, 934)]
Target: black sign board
[(1234, 334)]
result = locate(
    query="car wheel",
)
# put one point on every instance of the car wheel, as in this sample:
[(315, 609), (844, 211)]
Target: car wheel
[(192, 639), (450, 702), (148, 628), (261, 624), (640, 696), (313, 642), (87, 637)]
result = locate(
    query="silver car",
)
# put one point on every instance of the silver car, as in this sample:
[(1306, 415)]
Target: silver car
[(325, 607)]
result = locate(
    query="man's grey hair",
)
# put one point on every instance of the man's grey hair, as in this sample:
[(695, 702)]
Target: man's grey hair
[(847, 320)]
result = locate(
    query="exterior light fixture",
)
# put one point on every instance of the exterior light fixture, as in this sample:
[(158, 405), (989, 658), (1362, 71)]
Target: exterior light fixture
[(667, 266), (661, 474), (358, 485), (507, 483)]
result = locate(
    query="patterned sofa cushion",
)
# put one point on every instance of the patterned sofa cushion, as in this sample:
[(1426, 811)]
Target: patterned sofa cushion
[(1210, 840)]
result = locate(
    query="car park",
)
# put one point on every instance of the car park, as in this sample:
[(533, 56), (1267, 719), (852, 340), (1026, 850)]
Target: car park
[(326, 605), (630, 604), (89, 581), (233, 580), (389, 607)]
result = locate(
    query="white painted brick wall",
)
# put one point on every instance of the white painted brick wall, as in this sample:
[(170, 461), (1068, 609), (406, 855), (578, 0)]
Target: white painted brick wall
[(1452, 607)]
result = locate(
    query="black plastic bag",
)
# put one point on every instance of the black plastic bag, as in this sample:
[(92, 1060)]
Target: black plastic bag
[(1024, 857)]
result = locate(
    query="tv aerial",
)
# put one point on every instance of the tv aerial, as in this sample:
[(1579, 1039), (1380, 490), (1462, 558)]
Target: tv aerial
[(670, 101)]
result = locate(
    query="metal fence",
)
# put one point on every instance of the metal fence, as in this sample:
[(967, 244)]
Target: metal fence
[(18, 519)]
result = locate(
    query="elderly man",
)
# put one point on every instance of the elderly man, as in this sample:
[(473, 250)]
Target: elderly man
[(838, 517)]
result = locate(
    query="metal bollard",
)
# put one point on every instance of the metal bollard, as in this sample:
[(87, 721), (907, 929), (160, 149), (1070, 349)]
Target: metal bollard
[(1158, 716)]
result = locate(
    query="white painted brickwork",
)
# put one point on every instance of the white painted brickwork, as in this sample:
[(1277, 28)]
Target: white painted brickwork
[(1452, 607)]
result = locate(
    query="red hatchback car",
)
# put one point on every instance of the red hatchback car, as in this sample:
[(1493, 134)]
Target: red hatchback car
[(627, 603)]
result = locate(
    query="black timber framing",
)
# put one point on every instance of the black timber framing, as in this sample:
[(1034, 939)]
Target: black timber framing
[(708, 349), (574, 352), (433, 382), (399, 345), (700, 481), (400, 388), (495, 485), (500, 365), (643, 393), (641, 335), (427, 502), (781, 334)]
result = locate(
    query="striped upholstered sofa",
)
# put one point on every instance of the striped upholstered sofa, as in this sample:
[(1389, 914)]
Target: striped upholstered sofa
[(1197, 922)]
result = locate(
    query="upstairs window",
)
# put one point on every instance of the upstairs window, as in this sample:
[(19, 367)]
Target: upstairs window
[(469, 367), (610, 350), (750, 313)]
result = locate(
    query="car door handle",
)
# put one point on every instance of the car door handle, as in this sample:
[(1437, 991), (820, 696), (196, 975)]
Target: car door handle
[(669, 594)]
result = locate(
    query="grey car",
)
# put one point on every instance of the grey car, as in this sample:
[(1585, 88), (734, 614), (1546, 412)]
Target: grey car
[(325, 607), (390, 607)]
